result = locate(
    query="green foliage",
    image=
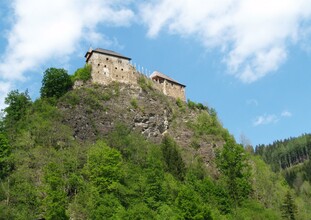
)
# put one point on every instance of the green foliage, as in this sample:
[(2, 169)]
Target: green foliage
[(207, 124), (104, 167), (268, 187), (47, 173), (251, 210), (179, 103), (133, 147), (18, 105), (145, 83), (233, 165), (83, 74), (190, 205), (289, 209), (5, 156), (55, 201), (55, 83), (44, 127), (286, 153), (134, 103), (154, 192), (173, 160), (103, 206), (194, 105), (139, 211)]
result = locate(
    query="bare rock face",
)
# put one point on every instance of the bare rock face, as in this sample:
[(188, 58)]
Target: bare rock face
[(93, 111)]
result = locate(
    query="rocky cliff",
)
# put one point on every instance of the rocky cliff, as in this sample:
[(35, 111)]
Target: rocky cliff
[(93, 111)]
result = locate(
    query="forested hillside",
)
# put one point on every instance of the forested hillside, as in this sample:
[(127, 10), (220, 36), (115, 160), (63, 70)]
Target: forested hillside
[(286, 153), (291, 159), (121, 152)]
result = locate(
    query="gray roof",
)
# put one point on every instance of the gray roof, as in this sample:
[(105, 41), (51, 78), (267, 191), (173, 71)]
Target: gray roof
[(107, 52), (161, 75)]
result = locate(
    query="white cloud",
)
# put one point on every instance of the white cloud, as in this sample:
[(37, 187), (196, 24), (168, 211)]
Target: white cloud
[(53, 29), (270, 119), (265, 119), (286, 114), (253, 34)]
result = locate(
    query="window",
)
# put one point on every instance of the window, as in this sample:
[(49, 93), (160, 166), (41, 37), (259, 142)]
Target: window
[(105, 66), (98, 64), (119, 61), (122, 69), (107, 58), (116, 68)]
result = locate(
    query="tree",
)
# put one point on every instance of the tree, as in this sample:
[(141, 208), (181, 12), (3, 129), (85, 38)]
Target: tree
[(18, 103), (5, 153), (191, 206), (289, 208), (104, 167), (232, 164), (154, 179), (173, 160), (55, 83), (55, 201)]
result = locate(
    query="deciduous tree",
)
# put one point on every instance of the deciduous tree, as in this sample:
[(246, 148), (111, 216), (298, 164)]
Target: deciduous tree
[(55, 83), (233, 165), (18, 104)]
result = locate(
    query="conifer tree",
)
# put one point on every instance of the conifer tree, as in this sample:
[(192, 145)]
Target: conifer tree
[(289, 209)]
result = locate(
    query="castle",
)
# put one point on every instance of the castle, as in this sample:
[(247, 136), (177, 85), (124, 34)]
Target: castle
[(108, 66)]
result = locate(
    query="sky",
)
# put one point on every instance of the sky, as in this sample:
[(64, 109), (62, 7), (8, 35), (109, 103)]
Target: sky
[(248, 59)]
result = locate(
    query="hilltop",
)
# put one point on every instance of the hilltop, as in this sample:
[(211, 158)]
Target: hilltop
[(127, 151)]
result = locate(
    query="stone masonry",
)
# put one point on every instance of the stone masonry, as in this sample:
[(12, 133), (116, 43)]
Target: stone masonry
[(108, 66)]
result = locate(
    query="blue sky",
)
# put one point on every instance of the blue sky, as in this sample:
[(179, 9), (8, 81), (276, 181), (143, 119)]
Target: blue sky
[(248, 59)]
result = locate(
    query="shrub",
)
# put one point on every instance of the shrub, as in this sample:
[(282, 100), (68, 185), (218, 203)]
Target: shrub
[(179, 103), (144, 83), (191, 104), (83, 74), (200, 106), (134, 103)]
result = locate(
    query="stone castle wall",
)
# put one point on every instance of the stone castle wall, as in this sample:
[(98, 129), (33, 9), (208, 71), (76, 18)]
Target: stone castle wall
[(171, 89), (106, 69)]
